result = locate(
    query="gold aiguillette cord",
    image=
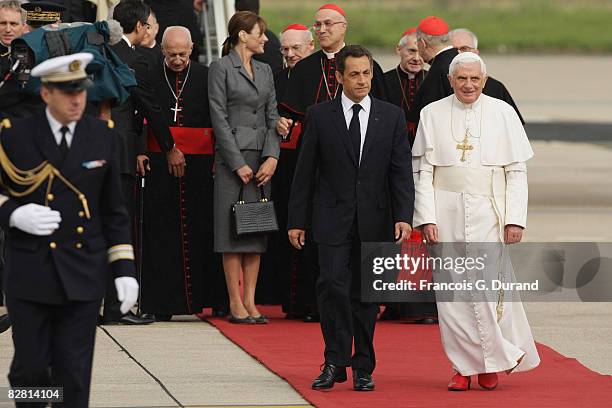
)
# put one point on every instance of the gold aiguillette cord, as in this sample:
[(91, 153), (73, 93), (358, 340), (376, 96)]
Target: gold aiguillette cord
[(33, 178)]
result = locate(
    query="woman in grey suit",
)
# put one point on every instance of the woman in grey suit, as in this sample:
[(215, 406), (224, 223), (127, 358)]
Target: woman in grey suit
[(244, 116)]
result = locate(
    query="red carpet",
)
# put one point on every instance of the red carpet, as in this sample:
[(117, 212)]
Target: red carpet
[(412, 369)]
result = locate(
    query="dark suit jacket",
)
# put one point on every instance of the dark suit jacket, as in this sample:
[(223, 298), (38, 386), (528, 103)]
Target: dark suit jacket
[(380, 190), (78, 264), (142, 99)]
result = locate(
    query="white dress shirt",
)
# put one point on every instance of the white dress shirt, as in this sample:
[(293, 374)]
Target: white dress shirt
[(124, 38), (364, 116), (56, 126)]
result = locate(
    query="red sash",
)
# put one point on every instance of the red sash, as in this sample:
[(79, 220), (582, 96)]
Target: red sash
[(291, 144), (188, 140)]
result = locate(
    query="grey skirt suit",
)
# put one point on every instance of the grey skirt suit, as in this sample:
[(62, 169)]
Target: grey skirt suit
[(244, 115)]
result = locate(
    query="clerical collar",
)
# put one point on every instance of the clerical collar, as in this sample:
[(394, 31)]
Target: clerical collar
[(332, 55), (465, 106), (442, 50), (406, 73), (129, 43)]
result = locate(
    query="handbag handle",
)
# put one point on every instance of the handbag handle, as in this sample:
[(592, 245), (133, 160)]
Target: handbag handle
[(262, 194)]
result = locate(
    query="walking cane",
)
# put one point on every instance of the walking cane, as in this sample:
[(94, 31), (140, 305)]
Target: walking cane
[(140, 228)]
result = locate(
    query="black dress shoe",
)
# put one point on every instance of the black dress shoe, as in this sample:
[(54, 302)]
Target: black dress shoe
[(219, 312), (5, 323), (362, 381), (329, 375), (427, 320), (128, 319), (243, 320), (312, 318)]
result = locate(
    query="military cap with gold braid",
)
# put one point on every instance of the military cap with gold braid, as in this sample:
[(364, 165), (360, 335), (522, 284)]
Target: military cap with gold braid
[(40, 13)]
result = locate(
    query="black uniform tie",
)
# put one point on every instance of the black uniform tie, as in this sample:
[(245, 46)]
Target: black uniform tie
[(63, 143), (355, 131)]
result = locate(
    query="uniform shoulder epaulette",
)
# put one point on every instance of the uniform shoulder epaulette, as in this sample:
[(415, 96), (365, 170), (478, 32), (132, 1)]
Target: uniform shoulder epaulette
[(110, 124), (6, 123)]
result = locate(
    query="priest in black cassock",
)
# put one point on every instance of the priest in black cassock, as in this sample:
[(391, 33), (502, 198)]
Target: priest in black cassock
[(181, 273), (403, 83), (404, 80), (313, 80), (278, 279), (435, 48), (465, 40)]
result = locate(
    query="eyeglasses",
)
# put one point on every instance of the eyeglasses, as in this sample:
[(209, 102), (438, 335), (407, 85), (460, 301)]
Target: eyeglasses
[(466, 48), (295, 48), (318, 25)]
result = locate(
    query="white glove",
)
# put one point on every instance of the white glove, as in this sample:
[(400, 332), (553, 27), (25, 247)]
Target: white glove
[(35, 219), (127, 292)]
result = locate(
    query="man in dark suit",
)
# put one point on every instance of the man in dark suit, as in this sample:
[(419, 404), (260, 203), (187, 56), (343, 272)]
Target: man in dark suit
[(66, 226), (355, 162), (133, 15)]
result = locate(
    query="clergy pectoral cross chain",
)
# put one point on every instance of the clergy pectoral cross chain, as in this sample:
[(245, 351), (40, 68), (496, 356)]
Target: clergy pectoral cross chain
[(464, 146), (176, 110)]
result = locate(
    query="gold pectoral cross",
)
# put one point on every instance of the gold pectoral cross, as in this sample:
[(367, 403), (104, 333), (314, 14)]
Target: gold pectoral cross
[(464, 146)]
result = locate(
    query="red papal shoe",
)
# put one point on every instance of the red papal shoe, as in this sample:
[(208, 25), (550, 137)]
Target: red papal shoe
[(459, 383), (488, 381)]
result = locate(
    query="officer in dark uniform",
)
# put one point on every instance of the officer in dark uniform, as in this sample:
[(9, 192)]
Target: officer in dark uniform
[(67, 229)]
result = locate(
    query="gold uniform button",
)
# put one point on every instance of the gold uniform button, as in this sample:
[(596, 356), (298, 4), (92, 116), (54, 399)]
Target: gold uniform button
[(52, 245), (81, 214), (78, 245), (50, 197), (80, 229)]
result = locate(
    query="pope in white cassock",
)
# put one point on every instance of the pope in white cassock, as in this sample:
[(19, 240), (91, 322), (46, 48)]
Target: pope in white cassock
[(469, 163)]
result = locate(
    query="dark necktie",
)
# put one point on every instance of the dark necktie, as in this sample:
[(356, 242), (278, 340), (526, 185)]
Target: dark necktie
[(355, 131), (63, 143)]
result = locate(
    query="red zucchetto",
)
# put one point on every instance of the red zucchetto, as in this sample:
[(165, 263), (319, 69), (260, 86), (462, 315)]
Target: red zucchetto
[(433, 25), (298, 27), (334, 7), (409, 31)]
